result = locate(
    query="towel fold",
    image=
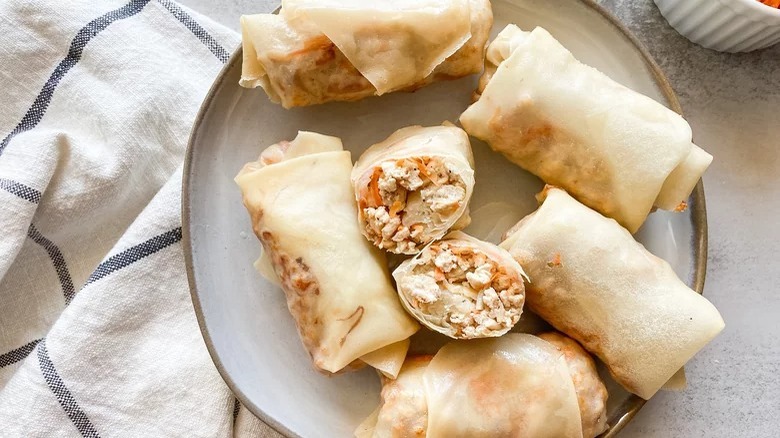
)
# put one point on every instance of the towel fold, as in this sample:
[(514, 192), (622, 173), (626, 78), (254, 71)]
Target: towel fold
[(98, 335)]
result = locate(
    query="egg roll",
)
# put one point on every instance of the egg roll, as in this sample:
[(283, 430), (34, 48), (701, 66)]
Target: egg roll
[(337, 285), (413, 187), (591, 391), (614, 149), (462, 287), (403, 409), (316, 51), (513, 386), (592, 281), (477, 381)]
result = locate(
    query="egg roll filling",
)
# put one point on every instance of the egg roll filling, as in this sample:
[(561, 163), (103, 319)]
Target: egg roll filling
[(275, 153), (319, 72), (403, 198), (465, 290)]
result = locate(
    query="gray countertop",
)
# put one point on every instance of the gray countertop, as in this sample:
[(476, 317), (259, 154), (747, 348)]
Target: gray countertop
[(733, 104)]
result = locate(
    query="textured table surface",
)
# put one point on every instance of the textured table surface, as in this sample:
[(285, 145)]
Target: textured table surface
[(733, 103)]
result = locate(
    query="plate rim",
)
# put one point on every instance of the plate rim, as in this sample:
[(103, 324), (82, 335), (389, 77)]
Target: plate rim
[(698, 210)]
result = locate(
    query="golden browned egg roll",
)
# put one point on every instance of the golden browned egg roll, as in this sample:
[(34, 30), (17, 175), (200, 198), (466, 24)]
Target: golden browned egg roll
[(316, 51), (403, 409), (591, 391), (592, 281), (517, 385), (338, 289), (615, 150)]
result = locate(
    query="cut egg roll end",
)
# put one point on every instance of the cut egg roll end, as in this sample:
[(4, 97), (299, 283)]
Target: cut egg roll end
[(413, 187), (462, 287)]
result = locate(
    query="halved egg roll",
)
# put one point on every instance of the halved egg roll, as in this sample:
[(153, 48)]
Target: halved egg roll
[(591, 391), (316, 51), (338, 290), (615, 150), (462, 287), (413, 187), (592, 281)]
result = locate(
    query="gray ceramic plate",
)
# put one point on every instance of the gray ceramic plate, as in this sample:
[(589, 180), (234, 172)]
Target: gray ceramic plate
[(244, 319)]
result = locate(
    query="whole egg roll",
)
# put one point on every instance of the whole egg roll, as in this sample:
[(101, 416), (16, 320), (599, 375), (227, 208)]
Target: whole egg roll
[(316, 51), (338, 290), (403, 409), (615, 150), (462, 287), (513, 386), (592, 281), (591, 391), (413, 187)]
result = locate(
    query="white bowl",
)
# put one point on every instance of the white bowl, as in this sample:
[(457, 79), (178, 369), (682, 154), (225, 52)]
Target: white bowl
[(724, 25)]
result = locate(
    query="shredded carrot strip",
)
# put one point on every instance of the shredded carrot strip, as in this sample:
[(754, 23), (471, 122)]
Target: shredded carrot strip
[(772, 3), (422, 168), (396, 207), (373, 187)]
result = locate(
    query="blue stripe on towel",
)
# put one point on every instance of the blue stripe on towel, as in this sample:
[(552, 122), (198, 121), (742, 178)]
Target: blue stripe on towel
[(209, 41), (109, 266), (18, 354), (135, 253), (63, 394), (57, 259), (94, 27), (23, 191)]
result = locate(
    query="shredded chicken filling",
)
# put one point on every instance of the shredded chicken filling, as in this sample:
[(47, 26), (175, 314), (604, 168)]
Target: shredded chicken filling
[(462, 289), (405, 198)]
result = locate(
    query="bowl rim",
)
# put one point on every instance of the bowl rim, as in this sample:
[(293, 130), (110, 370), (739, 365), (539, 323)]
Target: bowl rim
[(697, 207)]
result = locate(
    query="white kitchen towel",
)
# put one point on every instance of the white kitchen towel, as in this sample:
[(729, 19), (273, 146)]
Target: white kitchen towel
[(97, 332)]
